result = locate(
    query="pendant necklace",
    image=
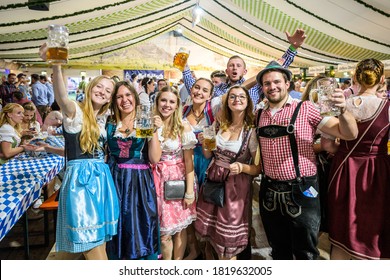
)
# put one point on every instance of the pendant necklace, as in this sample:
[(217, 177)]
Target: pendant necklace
[(197, 118)]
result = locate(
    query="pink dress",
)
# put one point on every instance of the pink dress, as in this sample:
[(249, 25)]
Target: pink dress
[(359, 192), (172, 214)]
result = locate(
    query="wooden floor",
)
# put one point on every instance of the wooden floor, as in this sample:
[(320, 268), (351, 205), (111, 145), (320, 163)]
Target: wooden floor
[(11, 247)]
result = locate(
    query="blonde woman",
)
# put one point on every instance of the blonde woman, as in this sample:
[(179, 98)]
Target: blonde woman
[(176, 163), (11, 118), (88, 208)]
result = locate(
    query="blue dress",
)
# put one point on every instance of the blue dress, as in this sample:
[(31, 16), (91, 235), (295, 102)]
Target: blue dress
[(88, 206), (200, 162), (138, 232)]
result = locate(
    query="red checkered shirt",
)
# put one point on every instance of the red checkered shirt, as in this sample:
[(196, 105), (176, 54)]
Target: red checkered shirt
[(276, 153)]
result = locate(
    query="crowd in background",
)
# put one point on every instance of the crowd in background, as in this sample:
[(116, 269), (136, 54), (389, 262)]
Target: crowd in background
[(318, 174)]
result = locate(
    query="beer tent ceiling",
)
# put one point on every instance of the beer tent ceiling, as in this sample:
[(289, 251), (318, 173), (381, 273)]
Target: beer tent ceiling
[(338, 31)]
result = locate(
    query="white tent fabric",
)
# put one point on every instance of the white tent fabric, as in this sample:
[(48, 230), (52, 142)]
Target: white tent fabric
[(339, 31)]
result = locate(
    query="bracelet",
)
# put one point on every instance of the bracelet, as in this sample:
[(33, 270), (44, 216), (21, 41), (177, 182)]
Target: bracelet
[(240, 167), (189, 196), (292, 48)]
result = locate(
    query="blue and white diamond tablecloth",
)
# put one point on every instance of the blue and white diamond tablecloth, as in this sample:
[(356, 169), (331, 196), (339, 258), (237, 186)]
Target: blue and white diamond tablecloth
[(21, 180)]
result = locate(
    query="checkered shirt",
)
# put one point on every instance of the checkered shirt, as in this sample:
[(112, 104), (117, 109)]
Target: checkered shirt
[(276, 153), (254, 92)]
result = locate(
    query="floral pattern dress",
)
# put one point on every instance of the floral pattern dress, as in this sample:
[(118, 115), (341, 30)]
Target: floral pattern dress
[(173, 216)]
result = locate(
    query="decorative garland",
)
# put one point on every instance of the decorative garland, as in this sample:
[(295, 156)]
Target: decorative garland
[(373, 8), (281, 50), (21, 5), (269, 33), (103, 27), (66, 15), (335, 25)]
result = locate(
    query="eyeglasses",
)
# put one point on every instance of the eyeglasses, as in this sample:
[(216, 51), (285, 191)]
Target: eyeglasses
[(240, 97)]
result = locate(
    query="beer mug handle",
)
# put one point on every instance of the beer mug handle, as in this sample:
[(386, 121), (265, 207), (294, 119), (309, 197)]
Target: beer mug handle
[(315, 100)]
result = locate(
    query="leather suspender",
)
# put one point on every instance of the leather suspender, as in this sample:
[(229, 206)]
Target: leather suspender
[(275, 131)]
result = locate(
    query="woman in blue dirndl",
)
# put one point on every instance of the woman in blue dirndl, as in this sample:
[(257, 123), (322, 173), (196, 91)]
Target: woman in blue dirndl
[(88, 206)]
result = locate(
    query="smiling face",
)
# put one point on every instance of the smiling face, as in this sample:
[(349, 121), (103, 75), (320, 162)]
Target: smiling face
[(275, 88), (201, 91), (167, 103), (125, 100), (101, 92), (236, 69), (237, 99)]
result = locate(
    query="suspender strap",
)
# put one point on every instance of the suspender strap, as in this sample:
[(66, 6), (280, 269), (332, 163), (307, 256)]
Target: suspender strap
[(293, 141)]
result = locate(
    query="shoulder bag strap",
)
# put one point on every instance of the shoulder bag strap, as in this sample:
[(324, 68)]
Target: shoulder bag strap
[(357, 142)]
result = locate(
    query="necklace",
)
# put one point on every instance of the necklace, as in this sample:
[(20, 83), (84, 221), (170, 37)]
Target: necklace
[(197, 117), (235, 129), (127, 130)]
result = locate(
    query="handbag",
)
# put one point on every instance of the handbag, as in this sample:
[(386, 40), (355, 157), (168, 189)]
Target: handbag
[(214, 192), (174, 190)]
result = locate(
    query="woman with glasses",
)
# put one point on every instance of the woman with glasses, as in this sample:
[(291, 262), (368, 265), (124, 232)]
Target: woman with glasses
[(227, 228), (130, 159), (147, 88)]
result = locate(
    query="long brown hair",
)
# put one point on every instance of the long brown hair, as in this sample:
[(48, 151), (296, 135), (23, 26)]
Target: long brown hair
[(226, 114), (115, 113)]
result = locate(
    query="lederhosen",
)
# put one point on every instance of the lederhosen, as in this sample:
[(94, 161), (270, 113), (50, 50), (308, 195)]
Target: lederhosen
[(290, 210)]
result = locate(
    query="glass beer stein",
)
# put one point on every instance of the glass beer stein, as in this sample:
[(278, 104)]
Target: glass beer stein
[(180, 59), (57, 44), (144, 121), (209, 142), (321, 97)]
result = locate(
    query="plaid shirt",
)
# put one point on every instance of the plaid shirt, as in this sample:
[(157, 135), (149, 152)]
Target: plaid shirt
[(254, 92), (7, 93), (276, 153)]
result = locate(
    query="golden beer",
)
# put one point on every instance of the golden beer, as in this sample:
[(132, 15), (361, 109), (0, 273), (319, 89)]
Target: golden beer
[(209, 144), (180, 59), (143, 132), (57, 55)]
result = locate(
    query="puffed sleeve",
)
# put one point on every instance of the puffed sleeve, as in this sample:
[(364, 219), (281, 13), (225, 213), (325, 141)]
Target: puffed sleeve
[(7, 133), (188, 140), (159, 134), (74, 125)]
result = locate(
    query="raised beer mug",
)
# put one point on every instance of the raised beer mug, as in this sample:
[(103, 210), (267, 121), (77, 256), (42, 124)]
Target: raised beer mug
[(321, 97), (57, 44), (144, 121), (180, 59)]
